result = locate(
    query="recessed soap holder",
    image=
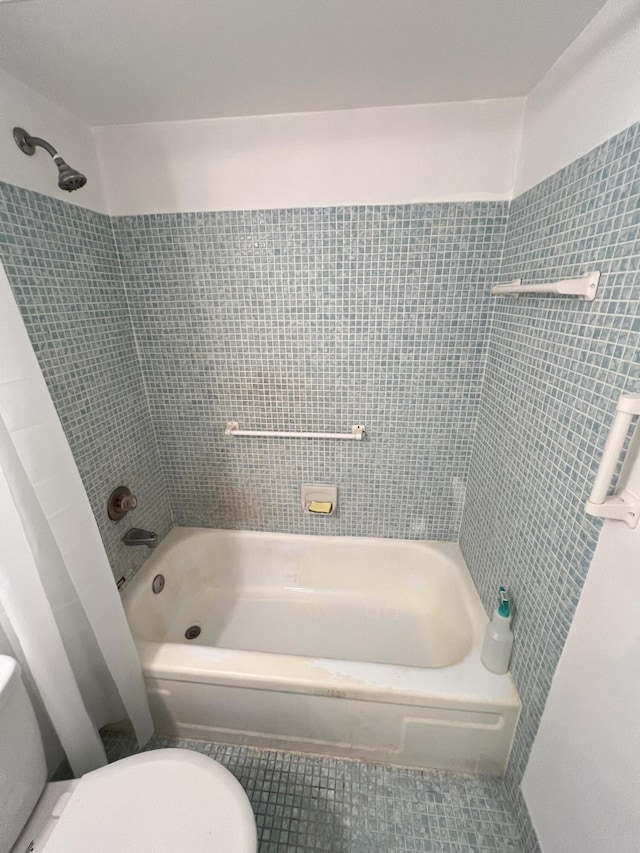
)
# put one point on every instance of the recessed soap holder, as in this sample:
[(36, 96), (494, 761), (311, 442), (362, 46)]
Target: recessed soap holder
[(314, 498)]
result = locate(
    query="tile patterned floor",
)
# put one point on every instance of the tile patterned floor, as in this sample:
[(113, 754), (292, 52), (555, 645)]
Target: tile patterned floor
[(310, 803)]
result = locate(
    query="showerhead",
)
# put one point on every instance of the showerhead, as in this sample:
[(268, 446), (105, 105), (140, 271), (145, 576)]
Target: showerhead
[(68, 179)]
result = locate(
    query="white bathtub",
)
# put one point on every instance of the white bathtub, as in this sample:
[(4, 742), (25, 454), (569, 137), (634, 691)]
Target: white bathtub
[(366, 648)]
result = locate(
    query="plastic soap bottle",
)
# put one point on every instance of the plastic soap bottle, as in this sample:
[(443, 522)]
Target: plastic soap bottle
[(498, 638)]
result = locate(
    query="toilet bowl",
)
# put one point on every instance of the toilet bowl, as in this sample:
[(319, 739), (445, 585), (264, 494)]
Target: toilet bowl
[(165, 801)]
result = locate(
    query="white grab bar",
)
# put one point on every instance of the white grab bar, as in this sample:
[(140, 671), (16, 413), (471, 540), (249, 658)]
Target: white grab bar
[(585, 286), (623, 505), (233, 428)]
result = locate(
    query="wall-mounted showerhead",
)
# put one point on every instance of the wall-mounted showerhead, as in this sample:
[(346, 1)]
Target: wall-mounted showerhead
[(68, 179)]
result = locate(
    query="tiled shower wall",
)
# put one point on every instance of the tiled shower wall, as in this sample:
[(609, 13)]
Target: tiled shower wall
[(554, 372), (63, 267), (315, 319), (318, 319)]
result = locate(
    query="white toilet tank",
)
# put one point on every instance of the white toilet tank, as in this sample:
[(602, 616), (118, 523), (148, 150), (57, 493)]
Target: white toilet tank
[(23, 770)]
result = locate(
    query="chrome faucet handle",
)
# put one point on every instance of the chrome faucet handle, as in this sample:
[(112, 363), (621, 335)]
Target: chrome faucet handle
[(121, 501), (129, 502)]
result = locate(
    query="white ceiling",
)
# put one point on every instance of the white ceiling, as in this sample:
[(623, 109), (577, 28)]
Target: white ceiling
[(122, 61)]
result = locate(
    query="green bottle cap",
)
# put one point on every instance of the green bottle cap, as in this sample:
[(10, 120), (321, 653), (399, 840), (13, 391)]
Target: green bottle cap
[(503, 607)]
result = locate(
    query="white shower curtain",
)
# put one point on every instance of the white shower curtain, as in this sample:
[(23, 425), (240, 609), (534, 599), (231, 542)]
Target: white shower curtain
[(59, 606)]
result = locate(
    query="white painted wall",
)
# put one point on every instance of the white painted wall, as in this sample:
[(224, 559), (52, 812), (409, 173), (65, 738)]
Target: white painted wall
[(582, 783), (22, 107), (433, 152), (590, 94), (392, 155)]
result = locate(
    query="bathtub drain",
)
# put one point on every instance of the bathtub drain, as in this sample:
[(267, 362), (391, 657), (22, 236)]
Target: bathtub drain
[(192, 632)]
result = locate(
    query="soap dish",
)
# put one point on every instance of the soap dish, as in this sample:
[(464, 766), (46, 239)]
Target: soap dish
[(318, 498)]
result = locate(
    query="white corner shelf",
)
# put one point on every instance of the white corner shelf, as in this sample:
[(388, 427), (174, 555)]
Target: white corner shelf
[(585, 287)]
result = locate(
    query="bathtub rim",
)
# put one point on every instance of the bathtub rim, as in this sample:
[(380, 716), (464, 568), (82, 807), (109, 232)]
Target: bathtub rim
[(470, 686)]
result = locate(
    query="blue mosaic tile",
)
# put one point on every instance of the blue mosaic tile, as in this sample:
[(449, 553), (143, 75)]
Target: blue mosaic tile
[(314, 320), (62, 264), (555, 369), (304, 803)]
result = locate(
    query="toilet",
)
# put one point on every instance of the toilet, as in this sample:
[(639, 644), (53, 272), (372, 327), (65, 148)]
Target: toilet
[(165, 801)]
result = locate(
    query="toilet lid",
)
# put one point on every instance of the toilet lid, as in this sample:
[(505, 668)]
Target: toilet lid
[(165, 801)]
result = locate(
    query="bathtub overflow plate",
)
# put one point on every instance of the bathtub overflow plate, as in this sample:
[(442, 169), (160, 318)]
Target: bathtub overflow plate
[(192, 632), (157, 584)]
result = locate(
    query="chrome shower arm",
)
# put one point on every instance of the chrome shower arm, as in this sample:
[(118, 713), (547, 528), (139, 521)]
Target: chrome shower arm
[(28, 144)]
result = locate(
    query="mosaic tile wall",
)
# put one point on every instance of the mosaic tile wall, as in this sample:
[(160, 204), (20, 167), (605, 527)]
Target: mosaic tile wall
[(315, 319), (63, 267), (555, 369), (318, 319)]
